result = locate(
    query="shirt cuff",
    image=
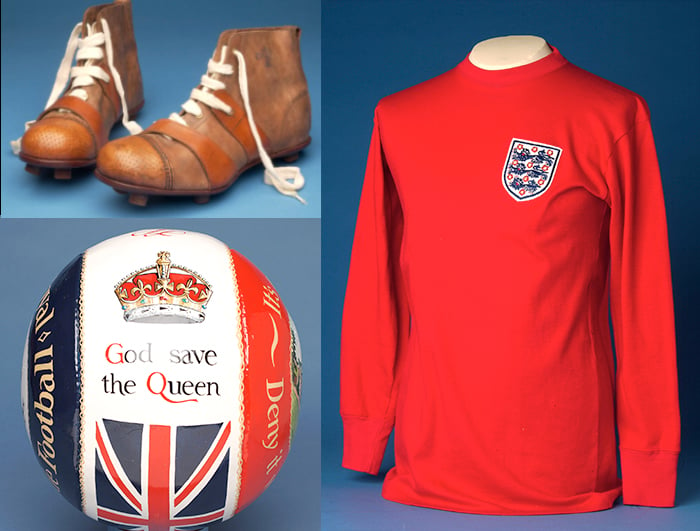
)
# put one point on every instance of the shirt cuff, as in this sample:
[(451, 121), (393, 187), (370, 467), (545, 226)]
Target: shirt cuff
[(364, 442), (648, 477)]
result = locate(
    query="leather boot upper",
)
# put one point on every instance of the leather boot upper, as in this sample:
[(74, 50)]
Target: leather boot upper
[(70, 132), (205, 151)]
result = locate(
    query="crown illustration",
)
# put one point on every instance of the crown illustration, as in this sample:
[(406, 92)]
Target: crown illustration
[(164, 293)]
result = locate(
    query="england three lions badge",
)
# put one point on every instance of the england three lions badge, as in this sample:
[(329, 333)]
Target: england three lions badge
[(529, 168)]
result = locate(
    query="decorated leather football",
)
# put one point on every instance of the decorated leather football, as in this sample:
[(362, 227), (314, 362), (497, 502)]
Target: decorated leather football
[(161, 381)]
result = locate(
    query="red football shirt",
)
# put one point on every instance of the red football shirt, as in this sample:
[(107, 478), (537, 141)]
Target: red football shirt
[(502, 214)]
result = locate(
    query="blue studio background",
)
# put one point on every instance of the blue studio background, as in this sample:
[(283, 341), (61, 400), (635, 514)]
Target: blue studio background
[(35, 251), (372, 48), (175, 39)]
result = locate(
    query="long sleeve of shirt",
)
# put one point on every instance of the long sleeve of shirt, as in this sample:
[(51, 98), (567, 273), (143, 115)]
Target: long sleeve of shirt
[(505, 217), (642, 311), (376, 319)]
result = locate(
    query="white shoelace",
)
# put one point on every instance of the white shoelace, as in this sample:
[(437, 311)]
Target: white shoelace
[(89, 49), (287, 180)]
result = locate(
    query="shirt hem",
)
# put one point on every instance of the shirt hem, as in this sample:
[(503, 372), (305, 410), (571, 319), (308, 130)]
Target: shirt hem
[(601, 501)]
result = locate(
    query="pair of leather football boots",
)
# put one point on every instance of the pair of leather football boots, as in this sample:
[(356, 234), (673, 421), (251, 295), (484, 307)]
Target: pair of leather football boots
[(251, 106)]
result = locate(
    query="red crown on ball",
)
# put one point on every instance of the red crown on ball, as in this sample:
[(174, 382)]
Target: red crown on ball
[(164, 293)]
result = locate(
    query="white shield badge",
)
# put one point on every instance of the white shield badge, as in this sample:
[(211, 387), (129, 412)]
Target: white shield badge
[(529, 168)]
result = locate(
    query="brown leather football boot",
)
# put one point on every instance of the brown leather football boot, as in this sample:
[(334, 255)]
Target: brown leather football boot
[(105, 86), (253, 102)]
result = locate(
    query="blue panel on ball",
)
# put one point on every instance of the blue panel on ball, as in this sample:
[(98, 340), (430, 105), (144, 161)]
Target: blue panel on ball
[(107, 495), (125, 438), (53, 382), (193, 443), (213, 495)]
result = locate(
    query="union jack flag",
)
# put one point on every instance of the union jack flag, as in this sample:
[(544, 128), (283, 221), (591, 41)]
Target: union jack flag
[(161, 478)]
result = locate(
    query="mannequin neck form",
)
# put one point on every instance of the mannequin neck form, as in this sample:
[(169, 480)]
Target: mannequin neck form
[(110, 528), (501, 53)]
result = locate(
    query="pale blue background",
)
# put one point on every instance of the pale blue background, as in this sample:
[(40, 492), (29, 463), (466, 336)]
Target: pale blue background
[(372, 48), (35, 251), (175, 39)]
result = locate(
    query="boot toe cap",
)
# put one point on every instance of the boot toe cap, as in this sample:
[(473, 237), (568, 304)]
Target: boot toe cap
[(59, 140), (132, 162)]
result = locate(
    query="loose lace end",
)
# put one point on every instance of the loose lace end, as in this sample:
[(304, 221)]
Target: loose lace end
[(16, 145), (287, 180), (133, 127)]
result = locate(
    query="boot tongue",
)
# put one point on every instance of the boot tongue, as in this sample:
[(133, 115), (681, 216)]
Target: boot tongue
[(223, 41), (233, 40), (229, 81), (228, 39), (90, 17)]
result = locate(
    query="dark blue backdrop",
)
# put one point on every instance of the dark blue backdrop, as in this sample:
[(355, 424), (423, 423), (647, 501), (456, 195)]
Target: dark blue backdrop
[(372, 48)]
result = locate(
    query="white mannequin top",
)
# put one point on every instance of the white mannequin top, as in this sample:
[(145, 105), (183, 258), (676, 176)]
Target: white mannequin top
[(501, 53)]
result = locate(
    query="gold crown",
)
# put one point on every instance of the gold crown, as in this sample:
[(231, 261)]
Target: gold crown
[(164, 293)]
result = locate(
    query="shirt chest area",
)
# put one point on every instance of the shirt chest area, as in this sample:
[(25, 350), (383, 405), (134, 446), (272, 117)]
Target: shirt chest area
[(501, 171)]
